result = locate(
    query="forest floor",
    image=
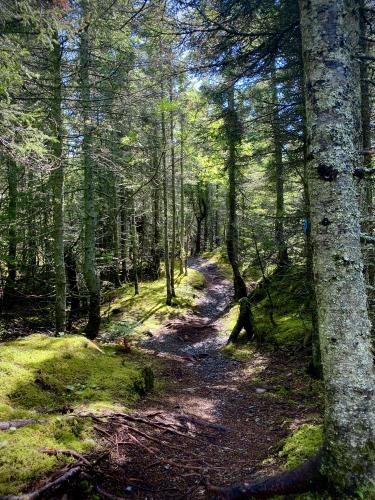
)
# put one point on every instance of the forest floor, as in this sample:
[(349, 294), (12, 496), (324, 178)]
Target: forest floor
[(218, 419)]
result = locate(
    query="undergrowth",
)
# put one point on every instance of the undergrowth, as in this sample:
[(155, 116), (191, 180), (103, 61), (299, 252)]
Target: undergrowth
[(129, 315), (43, 377)]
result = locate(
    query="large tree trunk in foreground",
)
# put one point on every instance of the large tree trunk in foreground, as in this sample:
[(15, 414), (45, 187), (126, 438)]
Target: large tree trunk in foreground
[(330, 36), (89, 263)]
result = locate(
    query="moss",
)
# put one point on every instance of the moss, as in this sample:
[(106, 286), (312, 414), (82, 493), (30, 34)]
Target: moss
[(302, 444), (21, 460), (290, 305), (129, 315), (39, 376)]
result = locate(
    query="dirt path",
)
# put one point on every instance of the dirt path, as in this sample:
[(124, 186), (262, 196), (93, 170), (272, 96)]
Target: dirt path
[(225, 416)]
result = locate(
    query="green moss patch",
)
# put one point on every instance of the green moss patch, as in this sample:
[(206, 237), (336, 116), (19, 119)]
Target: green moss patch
[(129, 315), (302, 444), (289, 296), (40, 375)]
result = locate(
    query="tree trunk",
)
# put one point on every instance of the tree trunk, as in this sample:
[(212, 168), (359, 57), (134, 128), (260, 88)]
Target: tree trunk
[(72, 280), (124, 236), (282, 249), (12, 178), (330, 33), (182, 201), (233, 137), (173, 187), (165, 210), (89, 262), (155, 249), (134, 247), (57, 181)]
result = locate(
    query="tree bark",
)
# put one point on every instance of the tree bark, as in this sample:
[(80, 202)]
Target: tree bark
[(232, 128), (134, 247), (282, 249), (165, 210), (12, 179), (330, 41), (182, 200), (57, 181), (173, 187), (89, 263)]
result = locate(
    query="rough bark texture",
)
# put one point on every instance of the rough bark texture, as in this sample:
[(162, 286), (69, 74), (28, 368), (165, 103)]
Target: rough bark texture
[(89, 264), (57, 181), (233, 137), (330, 41)]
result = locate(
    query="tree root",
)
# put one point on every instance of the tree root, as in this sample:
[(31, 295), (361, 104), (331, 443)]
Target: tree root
[(304, 478)]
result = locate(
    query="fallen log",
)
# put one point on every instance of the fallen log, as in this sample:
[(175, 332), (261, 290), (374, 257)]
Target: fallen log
[(303, 478), (16, 424)]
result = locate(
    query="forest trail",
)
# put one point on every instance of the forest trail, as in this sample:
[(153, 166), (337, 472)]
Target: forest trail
[(224, 415)]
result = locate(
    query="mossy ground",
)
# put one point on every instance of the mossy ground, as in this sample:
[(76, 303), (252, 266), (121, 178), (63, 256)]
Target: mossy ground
[(129, 315), (41, 375), (289, 297)]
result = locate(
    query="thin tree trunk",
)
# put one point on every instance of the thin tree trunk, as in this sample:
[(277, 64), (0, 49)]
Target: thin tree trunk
[(330, 33), (182, 200), (12, 178), (173, 187), (282, 249), (232, 133), (155, 249), (124, 227), (165, 210), (89, 263), (57, 181), (134, 247)]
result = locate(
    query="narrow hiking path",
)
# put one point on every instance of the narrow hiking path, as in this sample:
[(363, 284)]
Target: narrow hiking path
[(218, 419)]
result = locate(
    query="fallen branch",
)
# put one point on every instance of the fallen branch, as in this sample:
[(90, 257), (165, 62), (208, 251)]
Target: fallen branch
[(49, 488), (304, 478), (68, 453), (16, 424)]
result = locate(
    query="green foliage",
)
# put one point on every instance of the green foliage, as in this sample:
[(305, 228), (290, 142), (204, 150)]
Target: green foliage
[(302, 444)]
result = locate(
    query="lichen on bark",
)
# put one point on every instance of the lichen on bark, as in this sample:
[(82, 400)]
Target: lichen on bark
[(330, 35)]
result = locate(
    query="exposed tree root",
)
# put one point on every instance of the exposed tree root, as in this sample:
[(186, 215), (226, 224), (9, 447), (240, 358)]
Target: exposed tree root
[(304, 478)]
